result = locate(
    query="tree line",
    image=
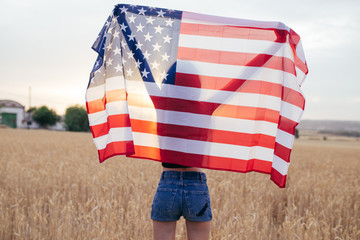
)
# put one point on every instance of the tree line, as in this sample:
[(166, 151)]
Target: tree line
[(75, 119)]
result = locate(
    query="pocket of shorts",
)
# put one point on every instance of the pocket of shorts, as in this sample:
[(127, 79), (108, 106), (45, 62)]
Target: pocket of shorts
[(198, 203), (164, 200)]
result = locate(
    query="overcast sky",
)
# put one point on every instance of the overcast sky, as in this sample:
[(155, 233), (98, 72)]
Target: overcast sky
[(46, 45)]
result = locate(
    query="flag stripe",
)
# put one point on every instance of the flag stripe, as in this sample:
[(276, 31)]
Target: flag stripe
[(221, 83), (202, 147), (110, 96), (213, 109), (210, 19), (241, 32), (237, 58), (186, 132), (204, 161), (282, 152), (116, 148), (113, 121), (236, 45), (201, 95), (278, 178), (231, 71), (195, 120)]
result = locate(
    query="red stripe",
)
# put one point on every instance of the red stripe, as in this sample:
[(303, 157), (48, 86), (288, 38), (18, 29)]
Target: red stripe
[(294, 40), (287, 125), (203, 134), (236, 58), (282, 152), (293, 97), (275, 35), (203, 161), (116, 148), (228, 84), (113, 121), (278, 179), (206, 108)]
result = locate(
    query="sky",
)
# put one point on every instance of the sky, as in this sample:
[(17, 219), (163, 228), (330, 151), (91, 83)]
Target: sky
[(46, 55)]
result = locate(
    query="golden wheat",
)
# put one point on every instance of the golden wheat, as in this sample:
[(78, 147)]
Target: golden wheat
[(52, 187)]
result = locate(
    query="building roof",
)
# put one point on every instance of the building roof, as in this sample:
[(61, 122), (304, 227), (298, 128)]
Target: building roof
[(10, 104)]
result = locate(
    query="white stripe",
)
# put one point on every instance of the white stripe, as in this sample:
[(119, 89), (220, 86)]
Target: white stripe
[(205, 95), (112, 108), (280, 165), (284, 138), (235, 45), (231, 71), (115, 135), (203, 121), (201, 147), (291, 111), (98, 92), (190, 17)]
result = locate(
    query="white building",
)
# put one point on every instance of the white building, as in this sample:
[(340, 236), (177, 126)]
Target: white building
[(12, 114)]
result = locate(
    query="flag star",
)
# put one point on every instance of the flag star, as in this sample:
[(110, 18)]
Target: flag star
[(123, 60), (109, 46), (107, 23), (165, 57), (116, 34), (116, 50), (167, 39), (158, 29), (169, 22), (139, 27), (161, 13), (150, 20), (151, 8), (138, 45), (146, 55), (131, 37), (154, 65), (163, 75), (123, 27), (144, 73), (130, 54), (171, 10), (142, 11), (156, 47), (138, 63), (97, 64), (132, 19), (123, 43), (109, 62), (118, 68), (98, 71), (114, 19), (148, 37), (129, 72), (123, 9)]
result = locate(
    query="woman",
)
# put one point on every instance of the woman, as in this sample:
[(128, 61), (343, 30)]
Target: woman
[(182, 191)]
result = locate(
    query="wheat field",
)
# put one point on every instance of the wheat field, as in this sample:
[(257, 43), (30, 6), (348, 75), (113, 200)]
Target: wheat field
[(53, 187)]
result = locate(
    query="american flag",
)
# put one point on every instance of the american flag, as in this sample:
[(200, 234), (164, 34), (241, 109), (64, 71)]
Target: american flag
[(196, 90)]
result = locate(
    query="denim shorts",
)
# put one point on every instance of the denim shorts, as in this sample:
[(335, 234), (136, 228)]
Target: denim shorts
[(182, 194)]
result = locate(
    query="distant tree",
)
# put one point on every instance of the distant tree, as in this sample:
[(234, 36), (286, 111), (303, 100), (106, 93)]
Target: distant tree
[(45, 117), (76, 119), (297, 133)]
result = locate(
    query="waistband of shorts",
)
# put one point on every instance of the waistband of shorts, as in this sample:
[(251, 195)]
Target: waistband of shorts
[(183, 175)]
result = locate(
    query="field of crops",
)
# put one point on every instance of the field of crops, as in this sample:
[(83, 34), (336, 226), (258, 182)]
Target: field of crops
[(53, 187)]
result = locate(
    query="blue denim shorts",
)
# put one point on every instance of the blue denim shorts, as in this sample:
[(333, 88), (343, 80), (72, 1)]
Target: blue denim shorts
[(182, 194)]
